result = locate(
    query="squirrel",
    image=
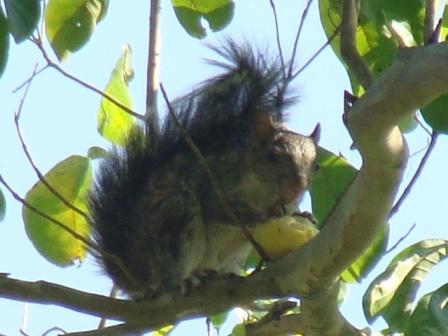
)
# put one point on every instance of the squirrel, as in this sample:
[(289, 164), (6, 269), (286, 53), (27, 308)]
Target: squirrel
[(152, 205)]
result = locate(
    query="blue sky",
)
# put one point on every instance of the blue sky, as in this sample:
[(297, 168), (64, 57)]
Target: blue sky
[(59, 119)]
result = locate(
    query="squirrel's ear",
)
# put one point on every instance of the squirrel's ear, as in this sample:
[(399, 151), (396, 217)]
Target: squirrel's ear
[(315, 134), (264, 126)]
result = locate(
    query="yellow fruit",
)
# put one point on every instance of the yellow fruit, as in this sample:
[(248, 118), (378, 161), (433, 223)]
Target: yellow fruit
[(282, 235)]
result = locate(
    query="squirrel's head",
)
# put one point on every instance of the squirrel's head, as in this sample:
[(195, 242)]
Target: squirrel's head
[(285, 158)]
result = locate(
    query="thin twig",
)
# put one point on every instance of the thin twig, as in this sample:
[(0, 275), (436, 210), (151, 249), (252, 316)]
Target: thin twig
[(27, 87), (42, 177), (215, 185), (35, 73), (152, 85), (322, 48), (25, 317), (277, 37), (296, 41), (50, 63), (113, 294), (417, 173), (401, 239), (54, 329), (421, 150), (349, 51), (30, 159), (422, 125), (430, 19)]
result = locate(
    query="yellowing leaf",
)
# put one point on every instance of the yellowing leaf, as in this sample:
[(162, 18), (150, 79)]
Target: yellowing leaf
[(114, 124), (71, 178)]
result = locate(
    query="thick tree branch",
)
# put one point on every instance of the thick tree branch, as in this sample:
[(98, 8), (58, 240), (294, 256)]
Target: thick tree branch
[(417, 77), (319, 316), (211, 298)]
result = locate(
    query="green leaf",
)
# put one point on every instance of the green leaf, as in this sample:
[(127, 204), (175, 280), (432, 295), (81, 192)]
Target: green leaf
[(113, 123), (334, 176), (190, 13), (218, 320), (71, 178), (436, 114), (70, 23), (392, 293), (239, 330), (23, 17), (96, 152), (370, 257), (4, 41), (403, 16), (375, 43), (431, 315), (407, 13), (2, 206)]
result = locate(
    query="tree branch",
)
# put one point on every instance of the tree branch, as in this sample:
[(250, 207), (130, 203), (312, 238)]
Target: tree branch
[(213, 297), (430, 20), (277, 37), (349, 51), (296, 41), (313, 57), (152, 85)]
